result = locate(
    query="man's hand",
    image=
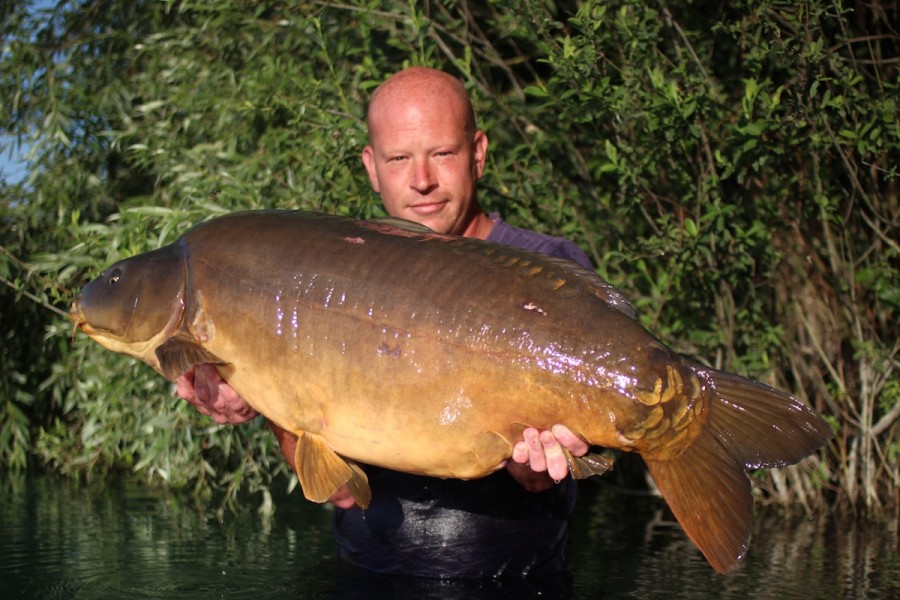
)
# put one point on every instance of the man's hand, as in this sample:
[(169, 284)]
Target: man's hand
[(539, 462), (205, 389)]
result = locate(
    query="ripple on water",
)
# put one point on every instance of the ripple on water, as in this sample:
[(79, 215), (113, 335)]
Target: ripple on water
[(62, 540)]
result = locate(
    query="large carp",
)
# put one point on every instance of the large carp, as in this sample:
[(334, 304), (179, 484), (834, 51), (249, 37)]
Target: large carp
[(385, 343)]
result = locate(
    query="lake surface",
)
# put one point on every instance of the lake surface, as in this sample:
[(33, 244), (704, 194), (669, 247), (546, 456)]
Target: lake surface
[(59, 539)]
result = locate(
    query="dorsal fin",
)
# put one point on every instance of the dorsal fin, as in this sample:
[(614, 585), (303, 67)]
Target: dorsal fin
[(402, 224)]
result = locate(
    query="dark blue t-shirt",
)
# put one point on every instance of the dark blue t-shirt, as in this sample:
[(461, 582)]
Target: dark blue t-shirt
[(503, 233), (450, 528)]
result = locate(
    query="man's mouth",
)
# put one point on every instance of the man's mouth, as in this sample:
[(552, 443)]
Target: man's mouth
[(427, 208)]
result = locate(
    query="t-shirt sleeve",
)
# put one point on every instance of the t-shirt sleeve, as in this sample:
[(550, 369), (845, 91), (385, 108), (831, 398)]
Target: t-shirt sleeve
[(502, 233)]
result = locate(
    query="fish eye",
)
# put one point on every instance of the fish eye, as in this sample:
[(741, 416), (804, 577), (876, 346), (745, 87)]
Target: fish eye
[(114, 277)]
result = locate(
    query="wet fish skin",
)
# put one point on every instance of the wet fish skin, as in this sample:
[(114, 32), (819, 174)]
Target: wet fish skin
[(385, 343)]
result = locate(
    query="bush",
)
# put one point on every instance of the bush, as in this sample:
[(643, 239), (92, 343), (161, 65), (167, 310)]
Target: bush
[(732, 167)]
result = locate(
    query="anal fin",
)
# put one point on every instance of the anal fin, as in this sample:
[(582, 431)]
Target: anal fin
[(582, 467), (322, 472)]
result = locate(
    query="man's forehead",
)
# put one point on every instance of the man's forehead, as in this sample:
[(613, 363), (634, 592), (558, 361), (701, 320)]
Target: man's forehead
[(400, 141), (418, 119), (424, 102), (422, 82)]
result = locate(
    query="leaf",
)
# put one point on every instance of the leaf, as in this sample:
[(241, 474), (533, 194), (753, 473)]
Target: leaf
[(536, 91)]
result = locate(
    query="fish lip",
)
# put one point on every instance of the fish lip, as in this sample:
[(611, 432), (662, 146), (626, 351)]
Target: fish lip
[(78, 319), (76, 315), (80, 324)]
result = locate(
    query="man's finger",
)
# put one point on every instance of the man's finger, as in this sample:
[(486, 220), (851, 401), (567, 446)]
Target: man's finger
[(184, 386), (520, 453), (557, 465), (572, 443), (343, 498), (536, 459)]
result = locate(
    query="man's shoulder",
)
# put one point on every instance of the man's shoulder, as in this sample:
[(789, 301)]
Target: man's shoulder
[(504, 233)]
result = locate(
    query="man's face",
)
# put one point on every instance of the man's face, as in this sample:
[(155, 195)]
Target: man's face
[(423, 163)]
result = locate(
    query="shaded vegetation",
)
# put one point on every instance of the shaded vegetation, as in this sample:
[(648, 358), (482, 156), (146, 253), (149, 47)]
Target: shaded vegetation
[(732, 166)]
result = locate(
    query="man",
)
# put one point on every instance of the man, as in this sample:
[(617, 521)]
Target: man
[(424, 157)]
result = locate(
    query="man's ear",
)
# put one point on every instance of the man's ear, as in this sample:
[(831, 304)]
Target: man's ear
[(368, 158), (481, 147)]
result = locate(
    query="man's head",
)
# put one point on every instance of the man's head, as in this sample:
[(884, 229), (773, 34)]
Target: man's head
[(425, 153)]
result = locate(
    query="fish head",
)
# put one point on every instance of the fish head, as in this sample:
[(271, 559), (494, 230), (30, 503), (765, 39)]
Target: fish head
[(136, 304)]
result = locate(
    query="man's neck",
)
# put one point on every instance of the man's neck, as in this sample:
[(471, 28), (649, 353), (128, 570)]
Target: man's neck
[(479, 226)]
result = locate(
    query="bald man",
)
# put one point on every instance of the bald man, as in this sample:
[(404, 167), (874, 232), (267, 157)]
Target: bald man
[(424, 157)]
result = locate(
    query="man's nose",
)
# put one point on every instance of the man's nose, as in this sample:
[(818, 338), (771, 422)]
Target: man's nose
[(423, 180)]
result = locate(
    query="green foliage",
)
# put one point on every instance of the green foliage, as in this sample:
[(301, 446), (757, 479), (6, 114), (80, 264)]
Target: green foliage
[(732, 167)]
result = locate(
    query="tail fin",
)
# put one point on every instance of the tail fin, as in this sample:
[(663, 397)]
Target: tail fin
[(750, 426)]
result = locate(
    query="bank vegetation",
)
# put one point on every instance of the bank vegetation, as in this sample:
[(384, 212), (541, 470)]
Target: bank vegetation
[(731, 166)]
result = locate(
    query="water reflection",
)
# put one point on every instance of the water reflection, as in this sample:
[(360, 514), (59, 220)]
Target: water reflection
[(62, 540)]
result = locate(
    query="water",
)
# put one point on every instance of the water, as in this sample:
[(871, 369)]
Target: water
[(61, 540)]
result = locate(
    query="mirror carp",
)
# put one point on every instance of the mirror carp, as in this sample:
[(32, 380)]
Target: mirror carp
[(383, 342)]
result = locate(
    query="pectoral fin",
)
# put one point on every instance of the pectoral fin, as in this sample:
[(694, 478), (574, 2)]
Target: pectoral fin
[(321, 472), (181, 354)]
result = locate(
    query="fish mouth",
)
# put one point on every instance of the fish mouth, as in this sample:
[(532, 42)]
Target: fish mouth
[(75, 312), (79, 321)]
